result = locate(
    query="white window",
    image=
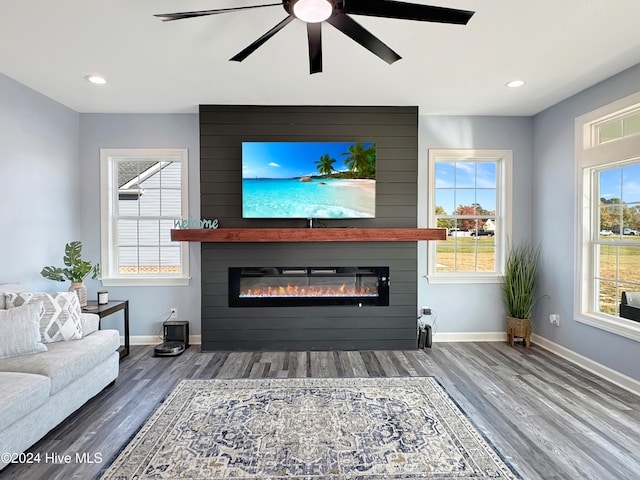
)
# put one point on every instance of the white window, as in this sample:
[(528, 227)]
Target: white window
[(470, 196), (608, 217), (144, 194)]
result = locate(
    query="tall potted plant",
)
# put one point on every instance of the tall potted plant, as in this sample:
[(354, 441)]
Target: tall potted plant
[(76, 271), (519, 289)]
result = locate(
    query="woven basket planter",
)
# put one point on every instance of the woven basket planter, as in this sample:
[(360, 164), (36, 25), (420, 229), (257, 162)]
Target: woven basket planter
[(519, 328), (81, 291)]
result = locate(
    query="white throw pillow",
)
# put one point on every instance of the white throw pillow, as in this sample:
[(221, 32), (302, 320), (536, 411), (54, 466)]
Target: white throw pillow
[(60, 318), (20, 331), (9, 288)]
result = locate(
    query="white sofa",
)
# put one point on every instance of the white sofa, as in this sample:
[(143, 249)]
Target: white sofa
[(39, 390)]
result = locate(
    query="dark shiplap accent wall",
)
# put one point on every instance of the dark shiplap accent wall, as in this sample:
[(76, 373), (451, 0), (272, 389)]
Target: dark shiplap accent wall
[(394, 130)]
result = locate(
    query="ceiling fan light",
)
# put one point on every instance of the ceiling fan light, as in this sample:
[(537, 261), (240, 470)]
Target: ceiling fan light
[(312, 11)]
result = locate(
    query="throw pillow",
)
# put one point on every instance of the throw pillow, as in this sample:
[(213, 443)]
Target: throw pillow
[(60, 319), (20, 331), (9, 288)]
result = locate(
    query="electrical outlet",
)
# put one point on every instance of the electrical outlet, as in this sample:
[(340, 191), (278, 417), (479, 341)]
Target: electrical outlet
[(426, 311), (554, 319), (173, 313)]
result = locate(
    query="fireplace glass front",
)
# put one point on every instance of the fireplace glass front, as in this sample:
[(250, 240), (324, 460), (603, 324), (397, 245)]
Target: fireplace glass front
[(308, 286)]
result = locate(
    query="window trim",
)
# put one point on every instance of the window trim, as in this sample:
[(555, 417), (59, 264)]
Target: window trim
[(107, 236), (503, 213), (590, 157)]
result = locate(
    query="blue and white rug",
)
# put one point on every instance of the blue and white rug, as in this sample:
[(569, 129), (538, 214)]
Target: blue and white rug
[(309, 428)]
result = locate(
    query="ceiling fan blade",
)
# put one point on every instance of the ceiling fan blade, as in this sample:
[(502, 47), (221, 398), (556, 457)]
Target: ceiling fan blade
[(358, 33), (407, 11), (167, 17), (260, 41), (314, 33)]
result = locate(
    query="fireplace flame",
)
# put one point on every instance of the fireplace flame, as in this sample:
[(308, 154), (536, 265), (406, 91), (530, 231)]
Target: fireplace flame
[(309, 291)]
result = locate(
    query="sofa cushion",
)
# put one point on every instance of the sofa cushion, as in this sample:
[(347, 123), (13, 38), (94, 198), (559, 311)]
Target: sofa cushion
[(61, 317), (20, 331), (90, 323), (21, 394), (66, 361), (9, 288)]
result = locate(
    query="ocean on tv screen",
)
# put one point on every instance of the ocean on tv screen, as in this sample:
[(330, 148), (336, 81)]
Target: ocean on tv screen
[(292, 198), (308, 180)]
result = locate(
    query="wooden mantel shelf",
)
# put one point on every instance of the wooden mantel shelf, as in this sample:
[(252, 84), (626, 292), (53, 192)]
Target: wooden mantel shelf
[(308, 234)]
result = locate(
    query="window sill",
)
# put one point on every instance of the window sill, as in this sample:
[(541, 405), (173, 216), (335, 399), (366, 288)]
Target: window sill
[(145, 281), (618, 326), (463, 278)]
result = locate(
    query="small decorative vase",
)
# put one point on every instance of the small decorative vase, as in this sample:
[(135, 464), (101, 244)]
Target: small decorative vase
[(81, 291)]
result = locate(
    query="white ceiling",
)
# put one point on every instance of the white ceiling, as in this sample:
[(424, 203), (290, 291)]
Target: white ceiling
[(559, 46)]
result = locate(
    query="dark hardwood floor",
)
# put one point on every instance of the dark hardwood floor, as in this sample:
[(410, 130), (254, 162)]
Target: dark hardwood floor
[(547, 417)]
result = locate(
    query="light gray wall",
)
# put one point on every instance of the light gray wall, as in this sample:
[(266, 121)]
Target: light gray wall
[(49, 159), (39, 184), (149, 306), (475, 308), (554, 199)]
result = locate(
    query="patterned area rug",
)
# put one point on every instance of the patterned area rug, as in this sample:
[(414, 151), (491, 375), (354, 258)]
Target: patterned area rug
[(309, 428)]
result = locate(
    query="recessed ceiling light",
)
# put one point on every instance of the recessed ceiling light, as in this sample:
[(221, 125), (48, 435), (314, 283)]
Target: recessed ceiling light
[(515, 83), (96, 79)]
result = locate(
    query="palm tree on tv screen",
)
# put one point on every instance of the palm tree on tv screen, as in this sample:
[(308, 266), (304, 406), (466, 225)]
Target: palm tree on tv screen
[(361, 161), (325, 164)]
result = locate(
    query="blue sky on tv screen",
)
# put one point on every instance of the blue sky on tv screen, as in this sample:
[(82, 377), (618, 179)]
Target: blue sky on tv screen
[(290, 159)]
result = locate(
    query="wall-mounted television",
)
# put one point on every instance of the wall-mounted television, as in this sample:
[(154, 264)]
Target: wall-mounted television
[(308, 180)]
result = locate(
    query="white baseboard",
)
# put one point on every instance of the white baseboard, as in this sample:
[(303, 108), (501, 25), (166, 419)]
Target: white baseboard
[(437, 337), (469, 337), (617, 378), (155, 340)]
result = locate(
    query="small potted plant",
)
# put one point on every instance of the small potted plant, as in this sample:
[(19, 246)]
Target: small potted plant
[(519, 289), (76, 271)]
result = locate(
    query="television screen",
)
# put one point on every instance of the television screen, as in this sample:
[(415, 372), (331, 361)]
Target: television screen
[(308, 180)]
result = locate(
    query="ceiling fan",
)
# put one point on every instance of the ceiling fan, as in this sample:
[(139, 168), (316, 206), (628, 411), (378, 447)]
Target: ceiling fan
[(336, 13)]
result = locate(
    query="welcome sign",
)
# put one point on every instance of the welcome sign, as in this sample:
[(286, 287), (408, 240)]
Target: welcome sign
[(190, 222)]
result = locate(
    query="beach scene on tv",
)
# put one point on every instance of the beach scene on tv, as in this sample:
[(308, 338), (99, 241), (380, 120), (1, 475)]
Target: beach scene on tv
[(308, 180)]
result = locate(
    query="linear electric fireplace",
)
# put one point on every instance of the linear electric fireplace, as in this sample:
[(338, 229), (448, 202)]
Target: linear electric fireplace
[(308, 286)]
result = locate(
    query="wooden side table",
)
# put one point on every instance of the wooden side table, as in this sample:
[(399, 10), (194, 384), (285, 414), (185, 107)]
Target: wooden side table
[(110, 308)]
